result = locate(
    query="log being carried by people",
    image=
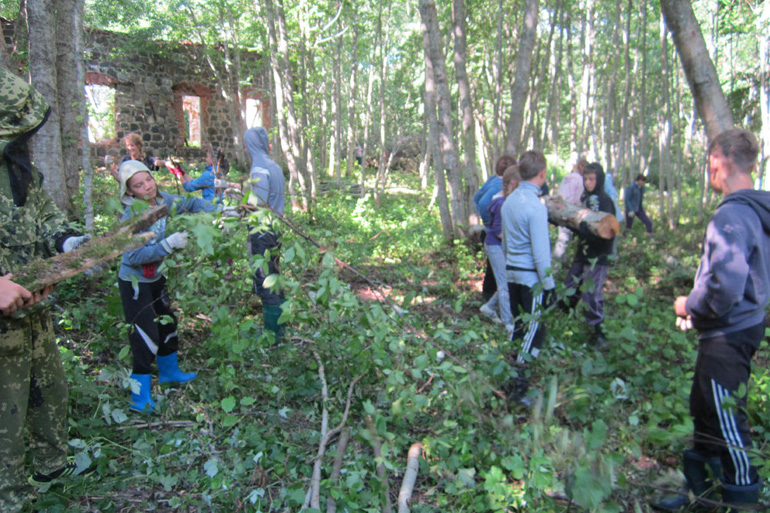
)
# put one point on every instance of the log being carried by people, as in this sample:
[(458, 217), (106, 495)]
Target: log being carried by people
[(42, 273), (572, 216)]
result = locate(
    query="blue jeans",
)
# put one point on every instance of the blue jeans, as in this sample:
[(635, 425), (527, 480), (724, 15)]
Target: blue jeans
[(501, 299)]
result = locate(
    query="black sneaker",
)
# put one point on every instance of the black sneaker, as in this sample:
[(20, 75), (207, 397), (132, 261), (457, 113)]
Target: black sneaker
[(68, 470)]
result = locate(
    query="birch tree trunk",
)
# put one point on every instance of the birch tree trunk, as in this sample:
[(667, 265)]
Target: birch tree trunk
[(763, 27), (698, 67), (523, 66), (438, 163), (46, 146), (287, 122), (446, 132), (352, 94), (466, 105)]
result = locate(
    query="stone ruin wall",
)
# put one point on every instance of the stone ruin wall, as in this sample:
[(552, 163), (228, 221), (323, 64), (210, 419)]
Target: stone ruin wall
[(149, 84)]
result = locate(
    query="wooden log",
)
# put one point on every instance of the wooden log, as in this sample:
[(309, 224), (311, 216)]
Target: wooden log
[(43, 272), (561, 213)]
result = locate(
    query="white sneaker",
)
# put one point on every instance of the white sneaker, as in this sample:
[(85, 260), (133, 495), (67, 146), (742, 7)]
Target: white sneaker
[(489, 312)]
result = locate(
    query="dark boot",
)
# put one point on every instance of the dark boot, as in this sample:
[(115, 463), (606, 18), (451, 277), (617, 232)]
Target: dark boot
[(700, 473), (741, 498), (271, 314), (517, 386), (600, 341)]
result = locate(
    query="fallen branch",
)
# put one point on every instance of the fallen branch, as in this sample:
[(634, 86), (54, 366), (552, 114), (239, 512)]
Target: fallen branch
[(601, 224), (153, 425), (410, 476), (377, 449), (42, 273), (342, 445), (313, 499), (385, 299)]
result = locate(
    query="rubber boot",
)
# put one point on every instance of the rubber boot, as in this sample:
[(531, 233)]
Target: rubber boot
[(741, 498), (169, 372), (142, 402), (699, 472), (600, 341), (271, 314)]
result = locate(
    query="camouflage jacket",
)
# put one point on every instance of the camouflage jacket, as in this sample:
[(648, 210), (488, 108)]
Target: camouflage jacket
[(36, 229)]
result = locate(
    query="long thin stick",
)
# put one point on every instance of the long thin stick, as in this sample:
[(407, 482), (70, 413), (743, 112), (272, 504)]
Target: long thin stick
[(410, 476)]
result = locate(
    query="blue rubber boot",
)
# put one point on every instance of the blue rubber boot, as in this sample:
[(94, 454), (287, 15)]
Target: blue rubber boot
[(169, 372), (142, 402), (741, 498), (700, 473)]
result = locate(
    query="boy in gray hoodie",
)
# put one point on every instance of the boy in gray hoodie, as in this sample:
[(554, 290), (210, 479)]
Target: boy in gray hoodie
[(727, 308)]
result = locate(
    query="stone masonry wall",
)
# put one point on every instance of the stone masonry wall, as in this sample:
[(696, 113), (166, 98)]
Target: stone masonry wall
[(149, 84)]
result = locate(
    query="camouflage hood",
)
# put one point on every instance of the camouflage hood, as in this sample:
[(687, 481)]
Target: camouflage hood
[(22, 112), (22, 109)]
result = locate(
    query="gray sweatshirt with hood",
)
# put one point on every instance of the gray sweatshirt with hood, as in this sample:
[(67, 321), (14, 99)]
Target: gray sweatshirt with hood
[(267, 182), (732, 286)]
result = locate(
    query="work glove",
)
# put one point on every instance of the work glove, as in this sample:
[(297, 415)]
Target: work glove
[(174, 241), (631, 215), (71, 243), (231, 211)]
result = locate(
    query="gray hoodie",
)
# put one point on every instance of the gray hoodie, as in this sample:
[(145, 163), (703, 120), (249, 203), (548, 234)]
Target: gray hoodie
[(732, 286), (267, 182)]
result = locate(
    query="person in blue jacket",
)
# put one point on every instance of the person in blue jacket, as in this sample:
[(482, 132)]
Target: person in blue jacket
[(726, 306), (635, 204), (204, 183), (143, 291), (481, 200)]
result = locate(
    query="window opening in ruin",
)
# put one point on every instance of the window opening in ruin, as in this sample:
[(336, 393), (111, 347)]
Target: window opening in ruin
[(191, 106), (100, 102), (253, 112)]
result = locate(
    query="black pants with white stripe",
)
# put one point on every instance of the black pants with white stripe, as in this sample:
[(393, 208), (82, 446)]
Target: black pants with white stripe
[(721, 430), (152, 333), (531, 332)]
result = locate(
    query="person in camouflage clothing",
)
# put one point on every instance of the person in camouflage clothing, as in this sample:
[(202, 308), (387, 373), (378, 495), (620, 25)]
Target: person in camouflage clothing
[(33, 388)]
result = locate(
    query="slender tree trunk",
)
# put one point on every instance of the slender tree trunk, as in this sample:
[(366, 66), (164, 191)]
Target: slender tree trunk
[(287, 122), (448, 148), (438, 160), (521, 76), (352, 94), (46, 146), (497, 68), (763, 27), (466, 104), (698, 67)]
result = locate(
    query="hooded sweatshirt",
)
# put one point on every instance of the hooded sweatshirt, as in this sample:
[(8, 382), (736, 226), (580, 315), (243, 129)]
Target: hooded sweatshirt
[(732, 285), (589, 245), (31, 226), (267, 182)]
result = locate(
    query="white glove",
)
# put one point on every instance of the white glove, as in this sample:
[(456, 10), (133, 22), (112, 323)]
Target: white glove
[(174, 241), (231, 211), (71, 243)]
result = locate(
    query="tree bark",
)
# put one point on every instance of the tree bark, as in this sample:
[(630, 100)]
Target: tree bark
[(698, 67), (446, 131), (287, 121), (561, 213), (466, 105), (46, 146), (519, 90)]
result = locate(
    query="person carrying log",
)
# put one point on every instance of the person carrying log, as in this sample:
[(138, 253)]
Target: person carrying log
[(528, 266), (591, 260), (727, 308), (143, 291), (33, 388), (571, 190)]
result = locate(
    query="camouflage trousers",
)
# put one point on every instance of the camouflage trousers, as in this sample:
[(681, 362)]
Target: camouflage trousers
[(33, 396)]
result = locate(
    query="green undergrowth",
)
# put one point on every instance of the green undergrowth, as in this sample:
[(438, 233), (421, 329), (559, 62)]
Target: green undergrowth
[(603, 435)]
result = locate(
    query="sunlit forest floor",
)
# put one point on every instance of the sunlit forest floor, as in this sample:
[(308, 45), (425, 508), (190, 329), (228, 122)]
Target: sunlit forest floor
[(604, 434)]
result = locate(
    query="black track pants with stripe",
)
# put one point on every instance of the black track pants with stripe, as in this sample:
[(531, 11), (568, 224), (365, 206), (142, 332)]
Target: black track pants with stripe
[(152, 333), (719, 414), (530, 333)]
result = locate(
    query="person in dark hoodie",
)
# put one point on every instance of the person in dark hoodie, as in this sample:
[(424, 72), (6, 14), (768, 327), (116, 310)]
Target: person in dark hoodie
[(591, 257), (33, 387), (727, 308), (267, 191)]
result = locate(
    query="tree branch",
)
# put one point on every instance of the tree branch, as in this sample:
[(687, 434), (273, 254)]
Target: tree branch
[(410, 476)]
